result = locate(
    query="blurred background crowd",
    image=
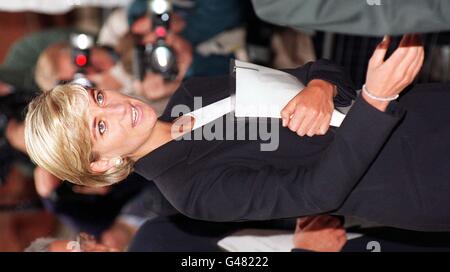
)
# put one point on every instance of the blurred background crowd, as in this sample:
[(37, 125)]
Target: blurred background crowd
[(145, 49)]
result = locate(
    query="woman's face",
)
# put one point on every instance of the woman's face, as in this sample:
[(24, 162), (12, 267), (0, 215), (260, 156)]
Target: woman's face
[(119, 125)]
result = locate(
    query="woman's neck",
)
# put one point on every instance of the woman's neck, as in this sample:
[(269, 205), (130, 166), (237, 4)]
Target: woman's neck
[(162, 133)]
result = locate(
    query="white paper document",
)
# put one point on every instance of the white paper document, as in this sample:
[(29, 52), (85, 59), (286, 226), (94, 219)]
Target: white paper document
[(209, 113), (264, 92), (260, 92), (257, 240)]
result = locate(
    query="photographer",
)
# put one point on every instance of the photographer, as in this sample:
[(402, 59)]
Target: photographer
[(55, 64), (190, 26), (154, 86)]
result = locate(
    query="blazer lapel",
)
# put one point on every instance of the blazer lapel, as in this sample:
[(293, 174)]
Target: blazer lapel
[(163, 158), (202, 147)]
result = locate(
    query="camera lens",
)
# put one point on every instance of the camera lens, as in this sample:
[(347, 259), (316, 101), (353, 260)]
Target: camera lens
[(162, 58)]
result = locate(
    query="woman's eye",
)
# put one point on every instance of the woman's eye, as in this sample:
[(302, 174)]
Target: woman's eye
[(100, 98), (101, 127)]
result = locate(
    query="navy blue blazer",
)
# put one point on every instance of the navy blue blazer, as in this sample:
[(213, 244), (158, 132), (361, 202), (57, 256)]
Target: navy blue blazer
[(366, 168)]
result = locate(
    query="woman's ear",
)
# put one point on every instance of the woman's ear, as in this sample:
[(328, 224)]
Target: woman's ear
[(101, 166)]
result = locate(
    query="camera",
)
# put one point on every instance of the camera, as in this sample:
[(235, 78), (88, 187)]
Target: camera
[(81, 45), (157, 57)]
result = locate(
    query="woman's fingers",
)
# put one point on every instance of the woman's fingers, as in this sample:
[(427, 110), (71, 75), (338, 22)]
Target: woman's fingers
[(404, 66), (413, 61), (315, 127), (287, 112), (414, 68), (404, 60), (298, 117), (380, 52), (419, 62), (406, 52), (325, 125), (307, 123), (399, 54)]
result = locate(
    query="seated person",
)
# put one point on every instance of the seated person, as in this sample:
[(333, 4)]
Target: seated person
[(98, 137), (179, 233), (113, 214), (321, 233)]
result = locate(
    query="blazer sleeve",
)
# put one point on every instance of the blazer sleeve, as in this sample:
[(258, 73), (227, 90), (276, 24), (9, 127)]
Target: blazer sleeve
[(217, 86), (237, 193), (328, 71)]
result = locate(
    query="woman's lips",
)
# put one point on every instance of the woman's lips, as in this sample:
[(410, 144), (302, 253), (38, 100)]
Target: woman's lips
[(138, 112), (134, 115)]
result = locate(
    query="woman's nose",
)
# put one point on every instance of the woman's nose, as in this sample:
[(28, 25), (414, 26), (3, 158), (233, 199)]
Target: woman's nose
[(116, 110)]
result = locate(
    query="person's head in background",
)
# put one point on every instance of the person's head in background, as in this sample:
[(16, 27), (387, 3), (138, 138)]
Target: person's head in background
[(83, 243), (5, 88), (55, 64)]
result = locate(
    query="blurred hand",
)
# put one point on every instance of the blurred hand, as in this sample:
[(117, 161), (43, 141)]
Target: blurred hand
[(321, 233), (143, 25), (118, 236), (388, 78), (45, 182), (5, 89), (309, 112), (15, 134), (89, 244), (153, 87)]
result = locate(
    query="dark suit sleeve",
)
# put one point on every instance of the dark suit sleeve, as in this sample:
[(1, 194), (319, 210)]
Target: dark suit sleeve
[(328, 71), (217, 87), (234, 193)]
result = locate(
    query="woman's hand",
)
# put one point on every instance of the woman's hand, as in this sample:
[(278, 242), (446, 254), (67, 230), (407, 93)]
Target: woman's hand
[(309, 112), (388, 78)]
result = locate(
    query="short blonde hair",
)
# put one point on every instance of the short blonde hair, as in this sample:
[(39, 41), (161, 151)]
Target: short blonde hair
[(46, 71), (57, 137)]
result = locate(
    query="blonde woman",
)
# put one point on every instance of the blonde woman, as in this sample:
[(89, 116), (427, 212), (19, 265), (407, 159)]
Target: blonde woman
[(370, 167)]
